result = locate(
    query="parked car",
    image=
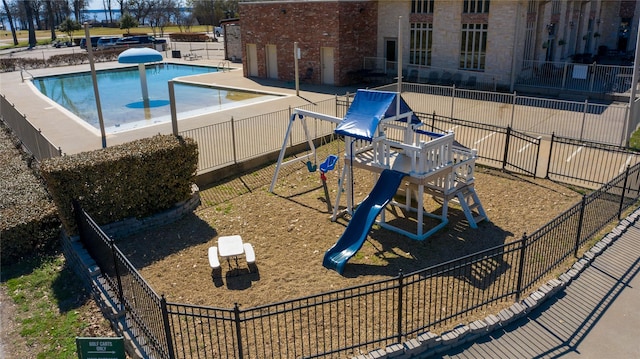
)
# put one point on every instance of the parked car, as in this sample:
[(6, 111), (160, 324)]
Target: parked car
[(219, 31), (146, 39), (62, 42), (106, 42), (94, 42)]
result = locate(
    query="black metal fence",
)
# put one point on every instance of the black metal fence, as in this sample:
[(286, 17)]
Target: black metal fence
[(573, 161), (498, 147), (33, 141), (354, 320), (139, 308)]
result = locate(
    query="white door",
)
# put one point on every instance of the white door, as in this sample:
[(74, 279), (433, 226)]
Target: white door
[(252, 59), (327, 63), (272, 61)]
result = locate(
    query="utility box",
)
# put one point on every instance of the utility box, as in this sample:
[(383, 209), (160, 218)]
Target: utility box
[(175, 54)]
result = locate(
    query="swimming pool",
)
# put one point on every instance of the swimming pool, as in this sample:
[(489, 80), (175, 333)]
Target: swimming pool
[(121, 95)]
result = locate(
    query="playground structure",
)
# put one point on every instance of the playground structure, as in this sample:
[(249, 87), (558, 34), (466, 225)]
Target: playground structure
[(383, 135)]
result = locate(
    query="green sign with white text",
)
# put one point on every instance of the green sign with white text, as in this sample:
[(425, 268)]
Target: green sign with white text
[(100, 348)]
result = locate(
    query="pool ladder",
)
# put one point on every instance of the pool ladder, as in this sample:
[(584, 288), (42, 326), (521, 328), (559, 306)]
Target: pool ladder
[(222, 64), (22, 71)]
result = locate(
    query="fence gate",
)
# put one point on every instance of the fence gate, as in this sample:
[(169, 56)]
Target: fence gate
[(521, 153)]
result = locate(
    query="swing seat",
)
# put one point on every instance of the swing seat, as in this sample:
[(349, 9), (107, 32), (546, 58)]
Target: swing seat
[(328, 164), (311, 167)]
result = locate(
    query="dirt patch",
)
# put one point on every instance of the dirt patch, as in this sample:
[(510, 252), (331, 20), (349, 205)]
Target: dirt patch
[(291, 230)]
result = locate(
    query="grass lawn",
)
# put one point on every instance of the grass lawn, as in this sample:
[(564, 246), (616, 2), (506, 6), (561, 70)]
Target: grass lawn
[(44, 36)]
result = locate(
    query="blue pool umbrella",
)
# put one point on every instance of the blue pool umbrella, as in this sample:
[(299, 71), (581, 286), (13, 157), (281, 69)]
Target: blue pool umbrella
[(140, 56)]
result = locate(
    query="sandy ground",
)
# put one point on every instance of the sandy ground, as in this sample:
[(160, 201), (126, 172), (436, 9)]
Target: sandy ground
[(291, 230)]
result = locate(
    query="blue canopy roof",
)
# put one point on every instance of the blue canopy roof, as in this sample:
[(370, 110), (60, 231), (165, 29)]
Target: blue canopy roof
[(139, 55), (367, 110)]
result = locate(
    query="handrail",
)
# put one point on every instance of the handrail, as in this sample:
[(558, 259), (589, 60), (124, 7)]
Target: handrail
[(221, 65), (22, 69)]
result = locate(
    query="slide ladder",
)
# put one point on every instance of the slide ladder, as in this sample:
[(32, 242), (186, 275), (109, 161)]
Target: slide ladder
[(363, 218), (470, 202)]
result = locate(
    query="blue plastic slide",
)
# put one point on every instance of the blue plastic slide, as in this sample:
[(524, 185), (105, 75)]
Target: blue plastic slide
[(356, 232)]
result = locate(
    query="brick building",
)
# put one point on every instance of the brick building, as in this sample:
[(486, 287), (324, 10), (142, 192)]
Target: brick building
[(490, 41), (333, 38)]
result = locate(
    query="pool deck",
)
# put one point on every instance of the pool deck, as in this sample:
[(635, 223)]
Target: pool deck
[(73, 136)]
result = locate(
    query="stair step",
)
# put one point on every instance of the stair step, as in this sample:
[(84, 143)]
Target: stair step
[(479, 218)]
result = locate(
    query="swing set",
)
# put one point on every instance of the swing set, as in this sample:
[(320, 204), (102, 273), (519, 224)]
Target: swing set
[(327, 165)]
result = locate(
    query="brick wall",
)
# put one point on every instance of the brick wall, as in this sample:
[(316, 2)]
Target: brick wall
[(349, 28)]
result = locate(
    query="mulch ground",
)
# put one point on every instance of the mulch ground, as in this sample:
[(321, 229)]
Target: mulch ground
[(291, 229)]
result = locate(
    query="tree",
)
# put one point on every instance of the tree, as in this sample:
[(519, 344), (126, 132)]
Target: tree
[(68, 26), (32, 31), (127, 22), (107, 10), (13, 28), (50, 20), (161, 14)]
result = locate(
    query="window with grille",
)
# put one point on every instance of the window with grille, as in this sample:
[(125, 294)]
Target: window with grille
[(475, 6), (422, 6), (473, 47), (529, 43), (555, 7), (420, 44)]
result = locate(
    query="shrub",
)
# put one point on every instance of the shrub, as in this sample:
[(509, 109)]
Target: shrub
[(8, 65), (136, 179), (189, 37), (28, 219)]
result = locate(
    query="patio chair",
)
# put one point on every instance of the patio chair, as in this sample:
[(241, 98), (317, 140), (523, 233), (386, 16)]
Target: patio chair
[(434, 77), (413, 76), (471, 82), (457, 79), (447, 78)]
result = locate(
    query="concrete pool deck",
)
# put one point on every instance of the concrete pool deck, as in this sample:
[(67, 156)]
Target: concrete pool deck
[(72, 136)]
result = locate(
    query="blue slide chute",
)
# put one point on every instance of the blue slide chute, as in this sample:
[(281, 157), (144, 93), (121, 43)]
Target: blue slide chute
[(358, 228)]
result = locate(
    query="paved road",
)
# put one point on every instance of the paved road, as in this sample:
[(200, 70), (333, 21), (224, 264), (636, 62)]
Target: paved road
[(596, 316)]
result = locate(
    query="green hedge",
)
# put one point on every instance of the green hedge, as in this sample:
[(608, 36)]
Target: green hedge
[(29, 222), (136, 179), (189, 37), (16, 63)]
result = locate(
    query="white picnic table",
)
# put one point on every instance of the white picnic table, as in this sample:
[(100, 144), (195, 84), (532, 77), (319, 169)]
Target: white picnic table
[(231, 247)]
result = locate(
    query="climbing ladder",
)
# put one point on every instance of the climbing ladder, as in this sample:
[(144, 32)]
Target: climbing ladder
[(469, 201)]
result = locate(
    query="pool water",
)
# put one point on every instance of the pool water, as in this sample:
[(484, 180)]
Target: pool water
[(121, 95)]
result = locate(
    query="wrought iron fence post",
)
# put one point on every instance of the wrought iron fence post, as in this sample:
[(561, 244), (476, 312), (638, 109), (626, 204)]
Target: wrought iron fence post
[(453, 98), (400, 298), (580, 221), (115, 266), (513, 107), (624, 188), (584, 117), (506, 148), (290, 133), (624, 136), (236, 313), (336, 102), (167, 327), (521, 266), (433, 121), (564, 75), (233, 140), (546, 175)]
